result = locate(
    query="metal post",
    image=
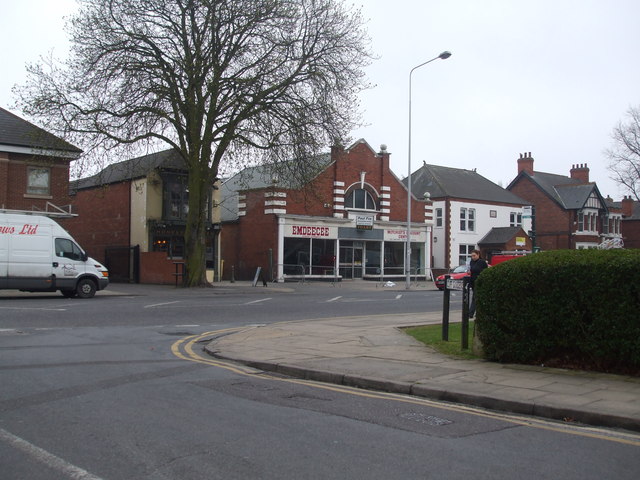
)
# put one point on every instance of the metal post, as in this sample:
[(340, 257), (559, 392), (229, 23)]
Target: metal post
[(445, 310), (465, 313)]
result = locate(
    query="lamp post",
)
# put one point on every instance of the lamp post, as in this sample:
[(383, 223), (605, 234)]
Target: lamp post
[(407, 262)]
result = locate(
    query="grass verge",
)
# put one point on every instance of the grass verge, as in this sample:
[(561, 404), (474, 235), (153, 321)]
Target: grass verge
[(432, 335)]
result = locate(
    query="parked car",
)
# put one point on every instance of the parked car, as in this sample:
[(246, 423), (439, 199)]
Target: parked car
[(460, 271)]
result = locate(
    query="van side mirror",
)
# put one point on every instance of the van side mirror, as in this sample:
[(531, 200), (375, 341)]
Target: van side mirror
[(84, 256)]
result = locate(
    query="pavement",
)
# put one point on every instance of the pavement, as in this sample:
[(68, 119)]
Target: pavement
[(373, 352)]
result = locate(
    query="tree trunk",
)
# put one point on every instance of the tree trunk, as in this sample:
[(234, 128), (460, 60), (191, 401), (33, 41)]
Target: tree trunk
[(195, 232)]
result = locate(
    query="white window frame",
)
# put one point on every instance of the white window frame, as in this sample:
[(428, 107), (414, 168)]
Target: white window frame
[(467, 219), (38, 181)]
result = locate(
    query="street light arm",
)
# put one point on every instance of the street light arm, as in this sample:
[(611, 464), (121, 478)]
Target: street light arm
[(444, 55)]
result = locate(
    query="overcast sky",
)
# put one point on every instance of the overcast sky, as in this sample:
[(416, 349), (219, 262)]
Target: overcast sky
[(550, 77)]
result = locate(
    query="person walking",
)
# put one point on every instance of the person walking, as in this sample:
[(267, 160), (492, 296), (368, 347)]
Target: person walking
[(476, 266)]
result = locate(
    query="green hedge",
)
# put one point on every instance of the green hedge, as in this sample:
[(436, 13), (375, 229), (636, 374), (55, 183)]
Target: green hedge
[(576, 308)]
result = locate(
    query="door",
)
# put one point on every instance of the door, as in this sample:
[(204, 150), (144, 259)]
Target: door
[(68, 263), (351, 262)]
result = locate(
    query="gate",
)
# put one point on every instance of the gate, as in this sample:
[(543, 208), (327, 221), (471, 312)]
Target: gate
[(123, 264)]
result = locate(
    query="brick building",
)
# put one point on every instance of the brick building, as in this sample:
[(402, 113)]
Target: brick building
[(132, 217), (348, 222), (34, 168), (569, 211), (630, 225)]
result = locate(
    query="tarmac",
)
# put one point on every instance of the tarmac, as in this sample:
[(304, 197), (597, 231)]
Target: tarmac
[(373, 352)]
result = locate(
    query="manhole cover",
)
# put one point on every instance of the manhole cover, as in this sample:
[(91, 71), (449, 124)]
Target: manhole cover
[(426, 419)]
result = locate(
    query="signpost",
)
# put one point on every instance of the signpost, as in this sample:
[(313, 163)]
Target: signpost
[(452, 284)]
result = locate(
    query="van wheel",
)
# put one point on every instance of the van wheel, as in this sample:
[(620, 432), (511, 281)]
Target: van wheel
[(69, 293), (86, 288)]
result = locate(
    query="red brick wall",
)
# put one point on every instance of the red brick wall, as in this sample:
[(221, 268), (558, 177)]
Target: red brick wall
[(103, 218), (256, 234), (156, 268), (229, 248), (13, 182)]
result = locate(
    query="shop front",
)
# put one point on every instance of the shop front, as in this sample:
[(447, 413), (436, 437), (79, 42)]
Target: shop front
[(339, 249)]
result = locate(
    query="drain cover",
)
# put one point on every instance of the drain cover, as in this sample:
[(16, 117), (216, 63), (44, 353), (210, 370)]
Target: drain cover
[(426, 419)]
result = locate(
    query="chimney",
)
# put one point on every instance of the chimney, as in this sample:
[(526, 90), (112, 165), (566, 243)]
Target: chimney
[(525, 163), (627, 206), (384, 155), (580, 172), (337, 152)]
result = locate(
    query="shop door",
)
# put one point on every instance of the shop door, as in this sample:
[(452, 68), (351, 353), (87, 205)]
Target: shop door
[(351, 262)]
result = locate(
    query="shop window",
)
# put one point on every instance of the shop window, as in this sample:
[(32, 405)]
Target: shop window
[(394, 258), (38, 180), (372, 258), (323, 256), (172, 245), (360, 199), (297, 255)]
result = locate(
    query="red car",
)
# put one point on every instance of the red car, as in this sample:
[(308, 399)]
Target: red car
[(459, 272)]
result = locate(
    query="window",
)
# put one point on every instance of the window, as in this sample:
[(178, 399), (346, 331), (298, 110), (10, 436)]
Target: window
[(468, 219), (176, 197), (471, 221), (38, 180), (605, 224), (438, 217), (360, 199), (580, 222), (465, 254), (515, 219), (172, 245), (65, 248)]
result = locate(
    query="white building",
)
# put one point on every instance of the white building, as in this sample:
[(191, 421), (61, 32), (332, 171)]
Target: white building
[(466, 206)]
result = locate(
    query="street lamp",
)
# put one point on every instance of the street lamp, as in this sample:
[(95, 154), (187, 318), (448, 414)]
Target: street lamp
[(407, 263)]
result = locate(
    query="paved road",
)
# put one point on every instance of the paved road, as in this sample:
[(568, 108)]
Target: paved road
[(94, 389)]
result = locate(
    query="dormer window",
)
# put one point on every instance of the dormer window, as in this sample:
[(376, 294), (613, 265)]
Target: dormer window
[(360, 199)]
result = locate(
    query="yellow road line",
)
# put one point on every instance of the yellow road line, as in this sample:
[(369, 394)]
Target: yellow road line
[(186, 344)]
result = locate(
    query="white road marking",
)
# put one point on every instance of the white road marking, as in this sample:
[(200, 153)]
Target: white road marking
[(160, 304), (398, 297), (257, 301), (30, 308), (334, 299), (50, 460)]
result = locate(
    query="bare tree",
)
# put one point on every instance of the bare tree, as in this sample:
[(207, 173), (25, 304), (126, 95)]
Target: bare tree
[(624, 156), (218, 80)]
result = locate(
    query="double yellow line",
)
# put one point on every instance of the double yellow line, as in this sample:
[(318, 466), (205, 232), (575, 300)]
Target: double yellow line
[(184, 349)]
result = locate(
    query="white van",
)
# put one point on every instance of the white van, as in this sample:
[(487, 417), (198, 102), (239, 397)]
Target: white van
[(38, 255)]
